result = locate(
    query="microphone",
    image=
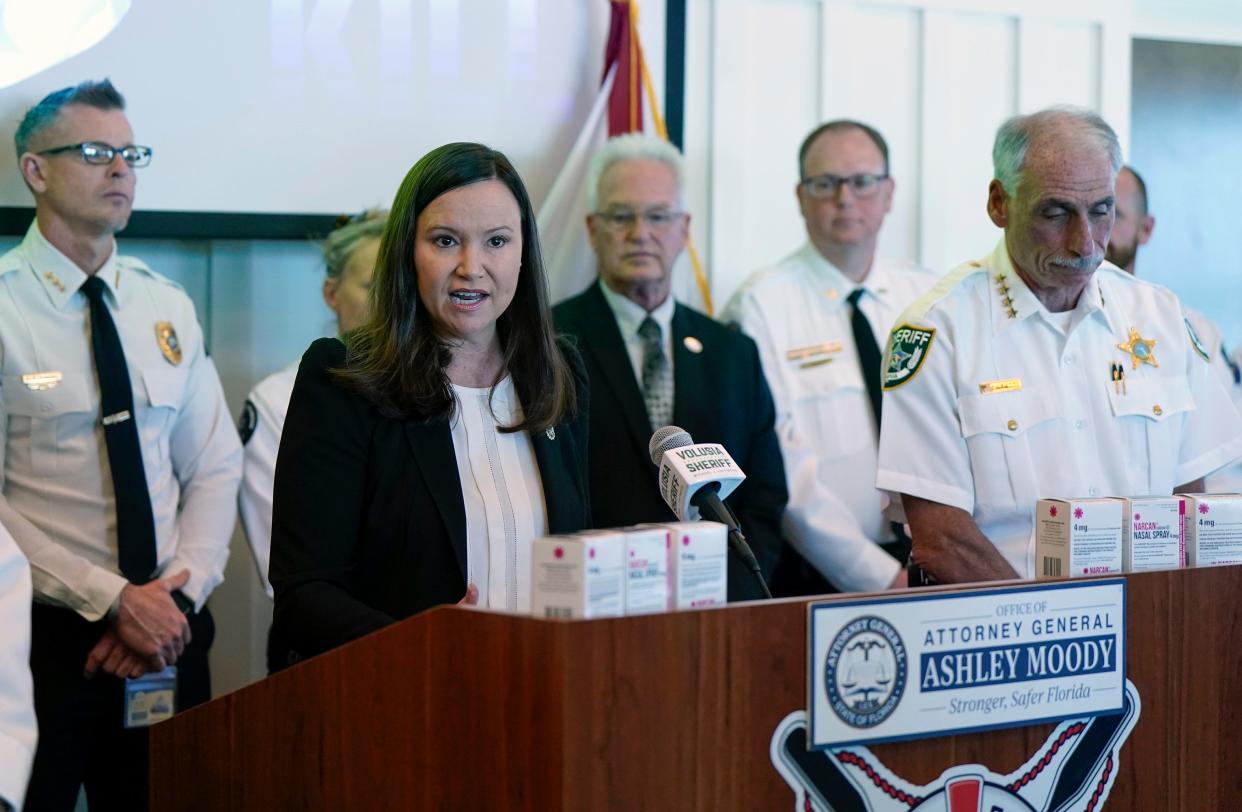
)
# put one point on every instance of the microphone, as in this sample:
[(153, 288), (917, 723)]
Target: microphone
[(701, 476)]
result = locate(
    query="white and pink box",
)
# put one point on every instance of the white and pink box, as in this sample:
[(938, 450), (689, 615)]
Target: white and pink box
[(698, 564), (1076, 537), (647, 585), (579, 576), (1153, 533), (1213, 529)]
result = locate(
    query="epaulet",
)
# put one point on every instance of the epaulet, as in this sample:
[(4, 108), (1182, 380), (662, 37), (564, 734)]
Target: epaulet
[(762, 275), (953, 279), (138, 266), (913, 336), (755, 281)]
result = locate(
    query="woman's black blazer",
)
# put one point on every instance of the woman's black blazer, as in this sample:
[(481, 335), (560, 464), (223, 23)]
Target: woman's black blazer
[(368, 522)]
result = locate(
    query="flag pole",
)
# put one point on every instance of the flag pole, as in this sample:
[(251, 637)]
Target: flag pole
[(696, 264)]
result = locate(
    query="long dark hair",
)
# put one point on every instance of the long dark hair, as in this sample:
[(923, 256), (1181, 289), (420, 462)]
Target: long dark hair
[(397, 361)]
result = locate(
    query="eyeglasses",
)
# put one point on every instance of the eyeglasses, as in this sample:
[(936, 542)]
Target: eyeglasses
[(101, 154), (863, 185), (622, 221)]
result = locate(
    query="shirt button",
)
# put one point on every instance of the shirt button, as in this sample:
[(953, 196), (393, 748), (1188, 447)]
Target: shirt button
[(1079, 424), (1069, 359), (1156, 410), (1012, 425), (45, 407), (1093, 491)]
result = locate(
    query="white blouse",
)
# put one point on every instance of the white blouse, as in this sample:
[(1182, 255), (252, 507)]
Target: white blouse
[(502, 492)]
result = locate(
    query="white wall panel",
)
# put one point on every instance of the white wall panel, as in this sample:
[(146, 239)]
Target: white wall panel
[(765, 98), (1058, 63), (872, 58), (697, 144), (1115, 76), (970, 86)]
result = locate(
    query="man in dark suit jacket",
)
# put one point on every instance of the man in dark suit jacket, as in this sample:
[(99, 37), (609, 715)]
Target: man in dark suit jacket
[(652, 362)]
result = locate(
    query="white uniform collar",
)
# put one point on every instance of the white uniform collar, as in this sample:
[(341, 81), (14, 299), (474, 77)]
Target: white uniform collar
[(836, 285), (630, 315), (60, 277), (1015, 302)]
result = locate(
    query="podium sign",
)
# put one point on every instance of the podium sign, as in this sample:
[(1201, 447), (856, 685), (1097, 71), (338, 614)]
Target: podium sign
[(904, 668)]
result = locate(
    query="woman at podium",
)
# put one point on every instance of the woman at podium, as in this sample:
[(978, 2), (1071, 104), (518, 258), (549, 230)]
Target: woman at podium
[(424, 451)]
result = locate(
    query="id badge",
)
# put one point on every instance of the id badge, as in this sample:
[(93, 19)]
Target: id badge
[(151, 698)]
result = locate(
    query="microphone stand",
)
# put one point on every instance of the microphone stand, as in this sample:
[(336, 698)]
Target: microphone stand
[(739, 545)]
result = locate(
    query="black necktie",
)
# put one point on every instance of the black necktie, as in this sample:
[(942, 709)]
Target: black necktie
[(135, 526), (869, 360)]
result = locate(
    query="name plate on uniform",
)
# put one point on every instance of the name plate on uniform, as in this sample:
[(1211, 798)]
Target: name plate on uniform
[(913, 667), (1006, 385)]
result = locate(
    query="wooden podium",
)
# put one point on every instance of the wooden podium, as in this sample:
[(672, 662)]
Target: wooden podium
[(458, 709)]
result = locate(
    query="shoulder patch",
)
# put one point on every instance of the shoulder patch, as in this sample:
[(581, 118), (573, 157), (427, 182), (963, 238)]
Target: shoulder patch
[(907, 350), (248, 422), (1196, 342)]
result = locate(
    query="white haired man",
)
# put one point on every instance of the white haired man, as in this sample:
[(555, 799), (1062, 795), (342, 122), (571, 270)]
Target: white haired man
[(1002, 384), (654, 362), (820, 317)]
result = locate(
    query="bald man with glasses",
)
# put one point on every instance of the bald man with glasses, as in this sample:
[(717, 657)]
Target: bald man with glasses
[(819, 317)]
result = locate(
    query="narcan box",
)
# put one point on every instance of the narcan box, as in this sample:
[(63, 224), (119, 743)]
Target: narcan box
[(1153, 533), (578, 576), (698, 564), (1213, 529), (1076, 537), (647, 586)]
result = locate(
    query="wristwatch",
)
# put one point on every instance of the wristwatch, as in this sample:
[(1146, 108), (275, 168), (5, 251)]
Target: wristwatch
[(183, 603)]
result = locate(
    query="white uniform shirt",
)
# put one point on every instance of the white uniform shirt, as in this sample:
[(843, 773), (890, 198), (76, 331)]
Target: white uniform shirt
[(55, 488), (630, 316), (265, 419), (797, 313), (17, 717), (958, 430), (502, 493)]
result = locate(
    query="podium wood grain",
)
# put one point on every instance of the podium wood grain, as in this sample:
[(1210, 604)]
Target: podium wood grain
[(459, 710)]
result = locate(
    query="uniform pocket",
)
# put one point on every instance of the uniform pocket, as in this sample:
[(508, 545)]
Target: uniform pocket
[(1152, 410), (162, 391), (52, 429), (998, 429), (835, 398)]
